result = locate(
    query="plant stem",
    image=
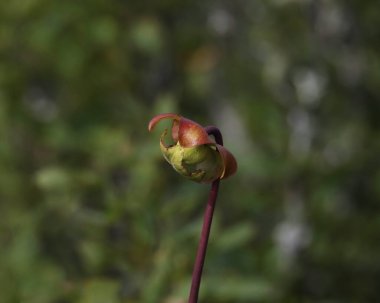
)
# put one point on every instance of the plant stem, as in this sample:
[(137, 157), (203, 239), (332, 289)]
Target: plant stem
[(207, 220)]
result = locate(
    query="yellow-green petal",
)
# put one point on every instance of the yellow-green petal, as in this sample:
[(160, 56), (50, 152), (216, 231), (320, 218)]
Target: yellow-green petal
[(202, 163)]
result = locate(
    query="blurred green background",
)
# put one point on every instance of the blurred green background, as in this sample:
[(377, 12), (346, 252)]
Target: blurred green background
[(91, 213)]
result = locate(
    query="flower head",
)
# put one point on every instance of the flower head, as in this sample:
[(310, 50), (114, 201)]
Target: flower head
[(193, 154)]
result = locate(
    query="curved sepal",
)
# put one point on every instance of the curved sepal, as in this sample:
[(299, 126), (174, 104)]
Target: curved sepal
[(158, 118), (229, 162), (192, 134)]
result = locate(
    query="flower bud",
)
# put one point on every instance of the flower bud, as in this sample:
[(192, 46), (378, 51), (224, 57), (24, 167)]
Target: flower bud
[(193, 154)]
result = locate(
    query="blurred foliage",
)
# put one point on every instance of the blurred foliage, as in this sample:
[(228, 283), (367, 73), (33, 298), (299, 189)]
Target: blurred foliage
[(90, 212)]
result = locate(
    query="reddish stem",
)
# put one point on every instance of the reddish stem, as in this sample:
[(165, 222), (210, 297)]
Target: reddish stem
[(207, 220)]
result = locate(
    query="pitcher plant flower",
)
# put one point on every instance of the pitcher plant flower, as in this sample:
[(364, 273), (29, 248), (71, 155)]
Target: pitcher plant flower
[(194, 155)]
